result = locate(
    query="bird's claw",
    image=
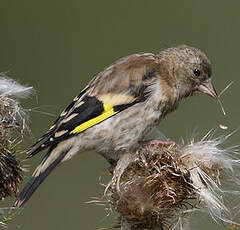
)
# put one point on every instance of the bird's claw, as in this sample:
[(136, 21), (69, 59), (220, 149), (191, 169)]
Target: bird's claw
[(167, 143)]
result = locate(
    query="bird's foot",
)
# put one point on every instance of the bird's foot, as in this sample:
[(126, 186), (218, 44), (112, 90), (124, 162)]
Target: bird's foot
[(162, 143), (167, 143)]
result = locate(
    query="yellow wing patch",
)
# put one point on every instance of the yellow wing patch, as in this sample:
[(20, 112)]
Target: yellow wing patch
[(108, 112)]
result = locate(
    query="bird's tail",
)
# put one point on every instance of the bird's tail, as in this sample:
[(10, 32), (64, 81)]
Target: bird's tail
[(49, 162)]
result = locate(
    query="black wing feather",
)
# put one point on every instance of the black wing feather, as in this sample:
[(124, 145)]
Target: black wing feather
[(35, 148), (90, 108)]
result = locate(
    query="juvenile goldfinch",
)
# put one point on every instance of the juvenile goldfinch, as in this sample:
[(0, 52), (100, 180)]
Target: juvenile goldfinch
[(120, 106)]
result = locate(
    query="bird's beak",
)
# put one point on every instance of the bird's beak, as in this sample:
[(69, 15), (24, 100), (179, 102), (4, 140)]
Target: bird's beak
[(207, 87)]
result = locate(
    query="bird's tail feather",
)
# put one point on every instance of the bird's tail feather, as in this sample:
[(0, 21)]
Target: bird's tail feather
[(48, 163)]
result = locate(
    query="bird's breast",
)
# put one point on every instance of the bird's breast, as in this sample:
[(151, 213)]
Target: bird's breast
[(124, 131)]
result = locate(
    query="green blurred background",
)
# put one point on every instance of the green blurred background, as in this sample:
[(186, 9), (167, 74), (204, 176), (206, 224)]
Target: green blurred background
[(58, 46)]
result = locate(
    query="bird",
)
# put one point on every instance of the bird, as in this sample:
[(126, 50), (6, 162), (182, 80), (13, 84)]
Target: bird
[(120, 106)]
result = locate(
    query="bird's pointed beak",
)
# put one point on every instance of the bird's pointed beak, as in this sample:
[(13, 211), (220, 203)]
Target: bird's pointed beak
[(207, 87)]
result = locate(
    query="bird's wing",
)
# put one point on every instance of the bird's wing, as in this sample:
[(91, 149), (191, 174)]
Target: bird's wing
[(117, 88)]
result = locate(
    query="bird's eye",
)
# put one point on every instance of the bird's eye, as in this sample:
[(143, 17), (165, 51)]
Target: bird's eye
[(197, 72)]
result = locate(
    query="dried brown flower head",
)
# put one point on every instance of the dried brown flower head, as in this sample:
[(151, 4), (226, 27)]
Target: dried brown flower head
[(12, 117), (10, 170), (154, 187)]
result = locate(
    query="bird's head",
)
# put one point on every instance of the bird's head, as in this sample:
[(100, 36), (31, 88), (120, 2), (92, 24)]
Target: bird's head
[(189, 70)]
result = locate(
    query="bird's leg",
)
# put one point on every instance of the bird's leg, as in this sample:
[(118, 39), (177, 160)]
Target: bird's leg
[(113, 164)]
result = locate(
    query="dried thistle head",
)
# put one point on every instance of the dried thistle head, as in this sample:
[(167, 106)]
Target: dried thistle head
[(12, 116), (151, 188), (10, 169)]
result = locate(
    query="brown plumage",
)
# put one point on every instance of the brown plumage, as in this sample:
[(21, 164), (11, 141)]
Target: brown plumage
[(120, 106)]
